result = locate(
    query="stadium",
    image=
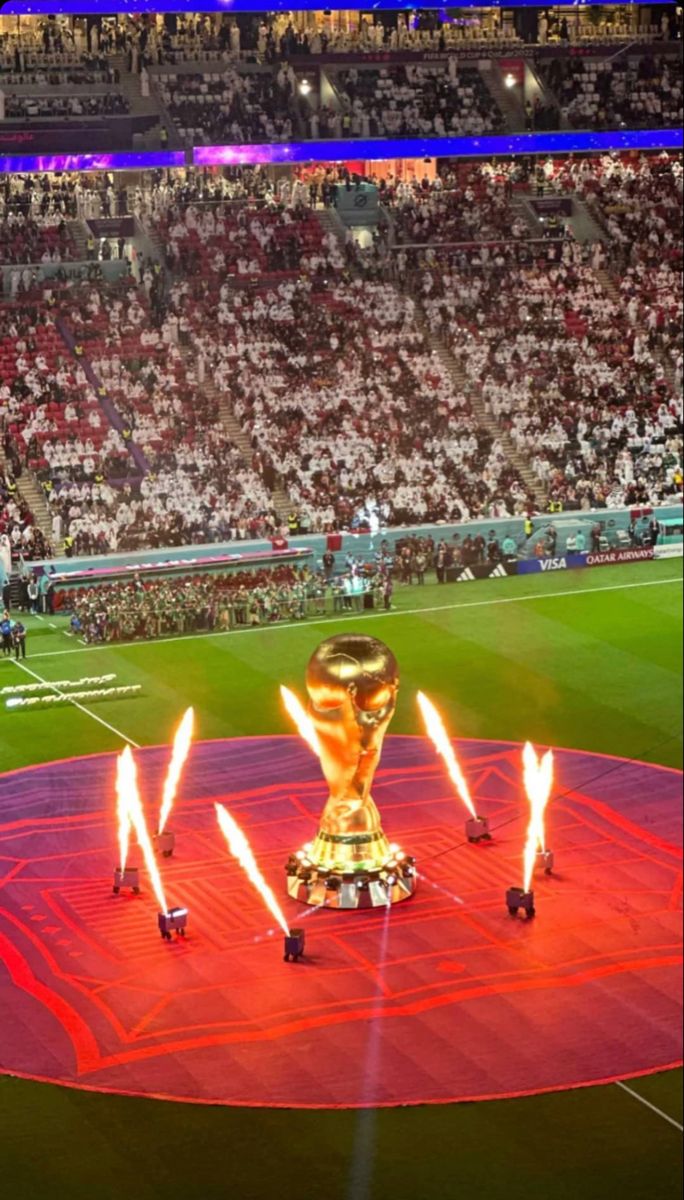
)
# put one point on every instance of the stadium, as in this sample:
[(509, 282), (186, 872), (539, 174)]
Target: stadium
[(341, 540)]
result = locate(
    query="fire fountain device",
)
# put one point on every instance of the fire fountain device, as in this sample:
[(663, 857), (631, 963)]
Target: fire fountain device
[(126, 877), (352, 681)]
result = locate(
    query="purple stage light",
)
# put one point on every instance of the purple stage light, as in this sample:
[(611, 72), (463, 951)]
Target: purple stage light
[(378, 149), (120, 160)]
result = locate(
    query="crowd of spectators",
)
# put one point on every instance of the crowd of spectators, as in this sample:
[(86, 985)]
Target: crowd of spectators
[(17, 530), (334, 384), (327, 368), (223, 600), (615, 92), (53, 423), (53, 197), (465, 202), (272, 37), (215, 240), (232, 106), (584, 396), (216, 601), (435, 99), (26, 239), (55, 69), (195, 485), (83, 104)]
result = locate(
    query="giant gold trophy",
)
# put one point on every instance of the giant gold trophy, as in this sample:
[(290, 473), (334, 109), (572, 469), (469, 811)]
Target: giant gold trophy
[(352, 682)]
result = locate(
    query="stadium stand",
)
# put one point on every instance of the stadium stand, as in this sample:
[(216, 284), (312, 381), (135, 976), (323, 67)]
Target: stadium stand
[(229, 106), (124, 443), (548, 349), (78, 105), (465, 202), (609, 93), (440, 99), (203, 404), (253, 355)]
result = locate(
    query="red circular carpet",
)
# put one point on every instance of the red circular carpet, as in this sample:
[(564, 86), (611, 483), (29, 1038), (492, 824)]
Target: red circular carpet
[(444, 998)]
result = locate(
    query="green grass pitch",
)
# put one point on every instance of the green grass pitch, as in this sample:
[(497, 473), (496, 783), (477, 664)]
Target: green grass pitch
[(590, 660)]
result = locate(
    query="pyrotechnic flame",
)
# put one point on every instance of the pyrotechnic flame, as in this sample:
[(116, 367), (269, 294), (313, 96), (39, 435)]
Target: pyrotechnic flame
[(181, 748), (302, 720), (123, 787), (128, 775), (242, 851), (440, 739), (538, 779)]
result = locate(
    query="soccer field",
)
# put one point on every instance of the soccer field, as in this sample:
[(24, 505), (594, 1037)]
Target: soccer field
[(588, 660)]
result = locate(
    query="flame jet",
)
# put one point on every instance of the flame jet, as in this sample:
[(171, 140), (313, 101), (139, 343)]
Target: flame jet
[(130, 804), (242, 851), (440, 739), (125, 773), (538, 781), (301, 718), (181, 748)]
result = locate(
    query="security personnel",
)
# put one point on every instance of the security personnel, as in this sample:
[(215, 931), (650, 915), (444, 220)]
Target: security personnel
[(529, 527), (293, 522), (68, 546)]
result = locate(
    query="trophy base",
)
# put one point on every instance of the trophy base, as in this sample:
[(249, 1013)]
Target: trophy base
[(358, 870), (363, 889)]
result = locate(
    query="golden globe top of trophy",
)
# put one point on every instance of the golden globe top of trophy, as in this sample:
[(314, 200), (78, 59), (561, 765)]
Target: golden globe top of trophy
[(352, 683)]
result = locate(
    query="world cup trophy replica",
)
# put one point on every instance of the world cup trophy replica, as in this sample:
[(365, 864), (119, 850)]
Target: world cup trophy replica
[(352, 683)]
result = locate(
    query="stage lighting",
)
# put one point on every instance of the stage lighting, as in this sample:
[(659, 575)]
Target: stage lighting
[(174, 921), (517, 898), (294, 945), (129, 877)]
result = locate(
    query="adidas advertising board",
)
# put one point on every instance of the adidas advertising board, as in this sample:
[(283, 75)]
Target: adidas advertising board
[(481, 571)]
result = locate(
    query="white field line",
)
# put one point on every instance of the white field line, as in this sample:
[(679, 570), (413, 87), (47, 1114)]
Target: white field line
[(65, 696), (369, 616), (653, 1107)]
